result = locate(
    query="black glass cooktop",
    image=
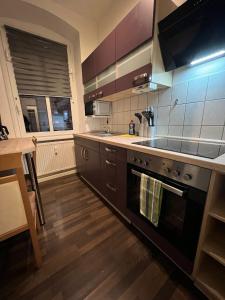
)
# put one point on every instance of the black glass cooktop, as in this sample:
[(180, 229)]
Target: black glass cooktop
[(203, 149)]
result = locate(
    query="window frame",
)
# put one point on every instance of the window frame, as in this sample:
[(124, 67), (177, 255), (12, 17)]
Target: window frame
[(15, 97)]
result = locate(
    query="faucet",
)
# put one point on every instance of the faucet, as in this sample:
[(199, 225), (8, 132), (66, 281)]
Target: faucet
[(107, 127)]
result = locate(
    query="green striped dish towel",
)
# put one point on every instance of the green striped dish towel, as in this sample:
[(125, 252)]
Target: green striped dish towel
[(151, 192)]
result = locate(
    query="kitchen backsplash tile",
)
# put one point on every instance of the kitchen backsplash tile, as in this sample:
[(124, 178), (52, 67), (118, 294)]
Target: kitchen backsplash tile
[(212, 132), (192, 108), (165, 97), (194, 113), (214, 113), (216, 87), (197, 89), (179, 93), (162, 130), (177, 115), (192, 131), (175, 130), (163, 115)]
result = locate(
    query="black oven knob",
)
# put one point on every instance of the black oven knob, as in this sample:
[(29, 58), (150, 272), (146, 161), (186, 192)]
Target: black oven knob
[(176, 173), (187, 177)]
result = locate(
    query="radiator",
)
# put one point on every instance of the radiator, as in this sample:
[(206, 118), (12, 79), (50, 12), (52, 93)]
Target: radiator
[(55, 157)]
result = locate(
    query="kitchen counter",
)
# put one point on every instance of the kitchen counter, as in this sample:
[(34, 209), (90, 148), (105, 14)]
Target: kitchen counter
[(19, 145), (125, 141)]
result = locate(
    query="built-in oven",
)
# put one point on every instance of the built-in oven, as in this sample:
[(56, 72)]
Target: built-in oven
[(184, 195)]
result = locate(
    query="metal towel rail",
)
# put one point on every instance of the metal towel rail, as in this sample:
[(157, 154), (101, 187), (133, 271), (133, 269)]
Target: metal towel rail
[(164, 185)]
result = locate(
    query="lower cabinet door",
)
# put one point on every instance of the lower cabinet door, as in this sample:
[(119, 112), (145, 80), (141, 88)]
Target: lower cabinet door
[(80, 161), (92, 174)]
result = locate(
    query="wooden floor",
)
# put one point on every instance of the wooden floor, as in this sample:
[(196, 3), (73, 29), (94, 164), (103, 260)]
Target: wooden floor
[(89, 253)]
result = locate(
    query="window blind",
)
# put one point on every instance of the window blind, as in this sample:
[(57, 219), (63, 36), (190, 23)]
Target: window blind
[(40, 65)]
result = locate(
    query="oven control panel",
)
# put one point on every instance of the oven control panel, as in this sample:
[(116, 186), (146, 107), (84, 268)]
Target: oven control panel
[(188, 174)]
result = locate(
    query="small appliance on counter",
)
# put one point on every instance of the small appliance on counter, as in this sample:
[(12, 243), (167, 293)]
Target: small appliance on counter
[(98, 108)]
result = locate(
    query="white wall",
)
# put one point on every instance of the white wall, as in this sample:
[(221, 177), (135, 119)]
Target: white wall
[(87, 28)]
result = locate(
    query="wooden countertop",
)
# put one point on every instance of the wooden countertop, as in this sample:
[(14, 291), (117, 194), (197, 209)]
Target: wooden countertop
[(217, 164), (23, 145)]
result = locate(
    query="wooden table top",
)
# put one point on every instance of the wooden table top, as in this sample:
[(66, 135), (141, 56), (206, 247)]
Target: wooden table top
[(23, 145)]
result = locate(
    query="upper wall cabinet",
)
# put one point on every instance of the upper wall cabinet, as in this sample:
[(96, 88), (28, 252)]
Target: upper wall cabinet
[(89, 68), (102, 57), (105, 54), (135, 28)]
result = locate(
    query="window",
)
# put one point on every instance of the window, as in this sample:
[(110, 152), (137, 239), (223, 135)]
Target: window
[(35, 113), (61, 113), (42, 78)]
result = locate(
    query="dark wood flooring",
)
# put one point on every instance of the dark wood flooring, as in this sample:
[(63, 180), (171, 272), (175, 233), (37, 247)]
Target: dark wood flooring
[(88, 253)]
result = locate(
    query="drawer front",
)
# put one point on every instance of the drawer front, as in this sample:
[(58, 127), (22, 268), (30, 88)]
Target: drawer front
[(114, 178), (113, 153), (87, 143), (106, 90), (132, 79)]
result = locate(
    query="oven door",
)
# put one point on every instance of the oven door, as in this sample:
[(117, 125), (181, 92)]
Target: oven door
[(181, 210)]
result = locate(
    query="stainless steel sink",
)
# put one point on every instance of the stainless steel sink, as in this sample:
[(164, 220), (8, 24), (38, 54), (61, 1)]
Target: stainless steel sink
[(104, 134)]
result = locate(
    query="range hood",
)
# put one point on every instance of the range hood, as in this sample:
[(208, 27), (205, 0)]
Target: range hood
[(194, 33)]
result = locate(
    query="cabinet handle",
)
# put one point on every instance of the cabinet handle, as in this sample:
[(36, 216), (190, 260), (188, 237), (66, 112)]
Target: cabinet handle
[(92, 97), (140, 79), (82, 152), (107, 149), (85, 154), (110, 163), (100, 94), (144, 75), (111, 188)]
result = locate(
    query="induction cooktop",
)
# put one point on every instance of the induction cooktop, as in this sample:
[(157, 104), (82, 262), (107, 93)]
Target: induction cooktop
[(202, 149)]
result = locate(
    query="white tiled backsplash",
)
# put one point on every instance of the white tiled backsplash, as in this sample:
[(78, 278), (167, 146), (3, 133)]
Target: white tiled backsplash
[(192, 108)]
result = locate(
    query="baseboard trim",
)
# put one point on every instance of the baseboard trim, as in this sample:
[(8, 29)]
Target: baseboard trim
[(57, 175)]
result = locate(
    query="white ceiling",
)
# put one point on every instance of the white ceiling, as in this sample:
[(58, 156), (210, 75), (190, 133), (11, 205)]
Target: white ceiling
[(91, 9)]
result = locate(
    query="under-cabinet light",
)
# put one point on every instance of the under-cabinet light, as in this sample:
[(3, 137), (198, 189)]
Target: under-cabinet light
[(208, 57)]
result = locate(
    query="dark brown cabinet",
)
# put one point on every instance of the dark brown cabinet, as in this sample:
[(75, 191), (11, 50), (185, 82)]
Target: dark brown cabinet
[(103, 91), (105, 54), (113, 170), (105, 168), (134, 78), (89, 68), (135, 28), (88, 160), (80, 161), (101, 58)]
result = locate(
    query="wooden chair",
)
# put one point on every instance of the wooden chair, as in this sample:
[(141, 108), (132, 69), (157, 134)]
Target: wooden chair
[(17, 206)]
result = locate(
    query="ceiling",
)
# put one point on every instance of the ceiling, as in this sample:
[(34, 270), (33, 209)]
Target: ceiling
[(91, 9)]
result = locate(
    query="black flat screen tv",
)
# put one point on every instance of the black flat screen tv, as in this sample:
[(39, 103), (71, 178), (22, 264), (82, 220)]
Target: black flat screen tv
[(194, 30)]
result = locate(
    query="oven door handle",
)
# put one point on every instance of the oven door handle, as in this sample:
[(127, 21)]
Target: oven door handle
[(164, 185)]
